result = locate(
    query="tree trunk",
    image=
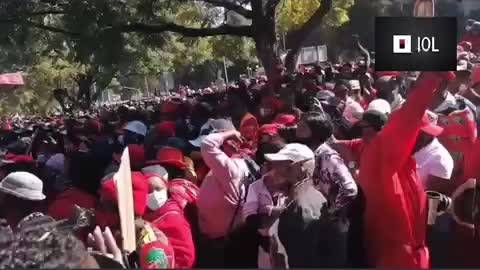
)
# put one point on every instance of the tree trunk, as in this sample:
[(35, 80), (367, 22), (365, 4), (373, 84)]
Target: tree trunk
[(302, 34), (84, 96), (264, 35)]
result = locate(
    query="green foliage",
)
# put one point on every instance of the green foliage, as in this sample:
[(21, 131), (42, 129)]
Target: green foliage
[(40, 80), (293, 14)]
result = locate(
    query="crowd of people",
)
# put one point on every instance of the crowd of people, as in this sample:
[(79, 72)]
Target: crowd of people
[(334, 166)]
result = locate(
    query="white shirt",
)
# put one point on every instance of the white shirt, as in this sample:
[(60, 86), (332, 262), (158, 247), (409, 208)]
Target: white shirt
[(433, 160)]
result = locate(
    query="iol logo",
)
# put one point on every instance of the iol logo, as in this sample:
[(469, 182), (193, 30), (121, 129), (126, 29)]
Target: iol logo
[(415, 44), (403, 44)]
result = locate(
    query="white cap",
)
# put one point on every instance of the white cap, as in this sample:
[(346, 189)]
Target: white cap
[(23, 185), (212, 126), (294, 152), (156, 169), (353, 112), (136, 127), (380, 105), (354, 84)]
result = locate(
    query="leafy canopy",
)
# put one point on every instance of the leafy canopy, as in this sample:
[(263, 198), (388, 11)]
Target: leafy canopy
[(292, 14)]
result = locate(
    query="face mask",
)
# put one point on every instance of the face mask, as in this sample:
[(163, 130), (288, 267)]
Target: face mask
[(157, 199), (468, 28)]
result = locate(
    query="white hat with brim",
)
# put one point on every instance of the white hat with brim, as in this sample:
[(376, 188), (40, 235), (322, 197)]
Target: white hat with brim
[(136, 127), (294, 152), (212, 126), (23, 185)]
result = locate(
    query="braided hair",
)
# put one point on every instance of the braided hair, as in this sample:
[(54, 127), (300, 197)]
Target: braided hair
[(39, 242)]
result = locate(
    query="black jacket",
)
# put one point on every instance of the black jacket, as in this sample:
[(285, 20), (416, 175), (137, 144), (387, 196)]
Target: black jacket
[(310, 238)]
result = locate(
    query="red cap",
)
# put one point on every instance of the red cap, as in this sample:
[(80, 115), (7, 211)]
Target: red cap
[(15, 159), (166, 129), (273, 102), (140, 192), (269, 129), (137, 156), (285, 119), (169, 156), (429, 124)]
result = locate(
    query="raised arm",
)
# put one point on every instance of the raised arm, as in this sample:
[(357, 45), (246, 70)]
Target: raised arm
[(398, 137), (221, 165)]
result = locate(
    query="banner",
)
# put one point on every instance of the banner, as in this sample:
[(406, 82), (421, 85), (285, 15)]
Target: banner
[(11, 79), (123, 181)]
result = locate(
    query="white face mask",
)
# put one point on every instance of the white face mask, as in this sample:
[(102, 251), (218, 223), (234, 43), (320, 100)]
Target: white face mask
[(157, 199)]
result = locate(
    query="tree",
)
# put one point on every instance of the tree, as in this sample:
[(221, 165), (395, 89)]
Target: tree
[(301, 18), (92, 27), (40, 81)]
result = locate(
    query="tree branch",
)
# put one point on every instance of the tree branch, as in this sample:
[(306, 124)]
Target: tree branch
[(230, 5), (304, 32), (38, 26), (243, 31), (44, 12), (50, 28), (271, 7)]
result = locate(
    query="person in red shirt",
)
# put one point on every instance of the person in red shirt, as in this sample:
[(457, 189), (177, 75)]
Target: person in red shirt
[(170, 219), (246, 122), (395, 212)]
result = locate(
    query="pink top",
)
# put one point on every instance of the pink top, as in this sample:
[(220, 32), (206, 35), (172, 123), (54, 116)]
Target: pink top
[(221, 188)]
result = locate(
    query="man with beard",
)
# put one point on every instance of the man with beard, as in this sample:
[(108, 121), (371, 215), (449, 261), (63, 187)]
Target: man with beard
[(306, 231)]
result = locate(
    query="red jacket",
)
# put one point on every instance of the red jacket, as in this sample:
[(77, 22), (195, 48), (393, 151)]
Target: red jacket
[(171, 221), (396, 211)]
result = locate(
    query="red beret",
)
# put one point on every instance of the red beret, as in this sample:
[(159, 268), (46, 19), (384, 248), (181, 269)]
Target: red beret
[(166, 129), (140, 192), (137, 156), (269, 129), (285, 119)]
